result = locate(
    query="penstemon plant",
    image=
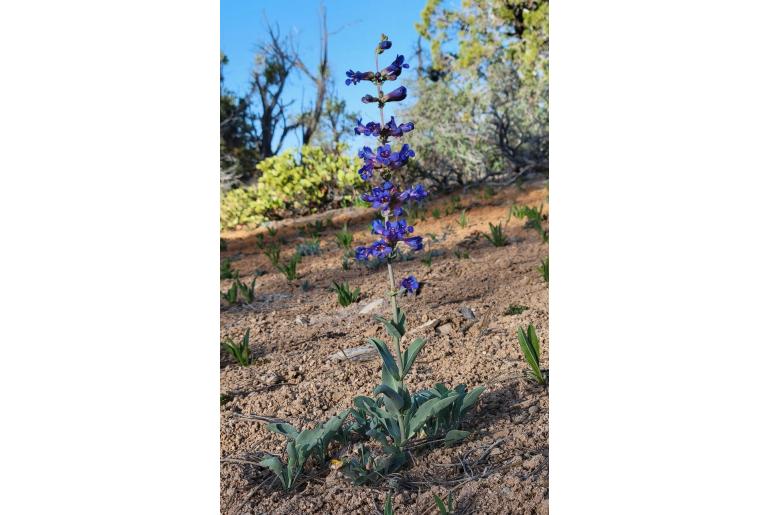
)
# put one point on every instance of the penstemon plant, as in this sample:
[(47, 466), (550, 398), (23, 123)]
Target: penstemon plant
[(395, 416)]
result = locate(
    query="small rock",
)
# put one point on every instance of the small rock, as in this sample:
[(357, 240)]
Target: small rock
[(533, 462), (430, 324), (371, 306), (496, 451), (534, 409), (467, 313), (445, 329), (302, 320), (271, 378), (362, 353)]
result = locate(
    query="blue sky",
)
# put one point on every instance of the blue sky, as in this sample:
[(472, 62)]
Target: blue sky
[(242, 26)]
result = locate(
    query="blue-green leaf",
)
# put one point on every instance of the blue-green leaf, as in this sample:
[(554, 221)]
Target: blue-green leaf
[(428, 409), (284, 429), (470, 399), (411, 354), (454, 436), (276, 466), (389, 364), (393, 399)]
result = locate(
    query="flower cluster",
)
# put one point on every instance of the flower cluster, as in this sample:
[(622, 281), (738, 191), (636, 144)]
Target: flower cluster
[(388, 73), (387, 198), (389, 201), (375, 129), (391, 234)]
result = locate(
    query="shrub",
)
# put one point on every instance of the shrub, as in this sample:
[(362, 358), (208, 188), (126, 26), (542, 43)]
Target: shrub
[(344, 296), (292, 184), (239, 207)]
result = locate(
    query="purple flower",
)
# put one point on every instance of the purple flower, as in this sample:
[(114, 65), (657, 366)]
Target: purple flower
[(381, 196), (384, 155), (415, 242), (387, 199), (362, 253), (394, 70), (366, 171), (415, 193), (393, 232), (410, 284), (391, 129), (380, 249), (366, 154), (385, 44), (396, 95), (399, 159), (368, 99), (356, 77), (370, 163), (370, 129)]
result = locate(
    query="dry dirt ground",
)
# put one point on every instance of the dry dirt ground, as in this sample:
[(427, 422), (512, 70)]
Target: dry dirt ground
[(502, 467)]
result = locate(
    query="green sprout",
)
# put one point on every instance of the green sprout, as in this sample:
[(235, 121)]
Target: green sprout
[(345, 297), (535, 218), (289, 269), (309, 248), (463, 220), (543, 269), (515, 309), (530, 347), (496, 236), (344, 238), (240, 351), (226, 270)]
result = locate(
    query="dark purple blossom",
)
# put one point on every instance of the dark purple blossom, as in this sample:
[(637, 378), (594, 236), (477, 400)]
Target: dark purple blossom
[(385, 44), (366, 171), (393, 232), (362, 253), (356, 77), (394, 70), (416, 193), (396, 95), (370, 129), (370, 163), (384, 155), (380, 249), (369, 99), (389, 201), (391, 129), (397, 160), (381, 196), (410, 284), (414, 242)]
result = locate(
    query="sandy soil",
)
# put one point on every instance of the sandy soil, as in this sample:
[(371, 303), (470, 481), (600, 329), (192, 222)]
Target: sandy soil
[(501, 468)]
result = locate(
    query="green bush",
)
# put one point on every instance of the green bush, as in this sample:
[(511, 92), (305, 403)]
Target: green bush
[(292, 184)]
